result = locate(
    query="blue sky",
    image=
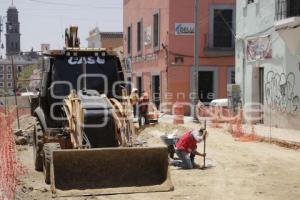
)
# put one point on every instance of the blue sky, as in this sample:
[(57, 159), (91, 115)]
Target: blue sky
[(44, 21)]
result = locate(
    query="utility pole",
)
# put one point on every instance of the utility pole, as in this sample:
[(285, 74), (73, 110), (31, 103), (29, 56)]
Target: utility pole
[(1, 29), (196, 57), (15, 89)]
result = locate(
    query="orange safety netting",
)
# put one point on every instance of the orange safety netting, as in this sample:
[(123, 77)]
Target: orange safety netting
[(219, 115), (10, 167), (237, 130)]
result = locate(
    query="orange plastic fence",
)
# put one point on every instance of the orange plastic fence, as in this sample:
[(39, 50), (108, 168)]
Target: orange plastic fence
[(220, 115), (10, 167), (178, 117)]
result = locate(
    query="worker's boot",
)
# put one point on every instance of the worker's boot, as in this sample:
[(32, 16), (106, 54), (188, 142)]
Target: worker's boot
[(196, 166)]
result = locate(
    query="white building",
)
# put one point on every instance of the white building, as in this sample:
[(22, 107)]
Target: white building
[(268, 58), (94, 39)]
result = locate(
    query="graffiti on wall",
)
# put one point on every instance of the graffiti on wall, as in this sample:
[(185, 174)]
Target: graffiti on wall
[(280, 92)]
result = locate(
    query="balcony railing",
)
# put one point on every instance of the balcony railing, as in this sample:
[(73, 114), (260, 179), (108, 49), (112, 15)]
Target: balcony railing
[(287, 8)]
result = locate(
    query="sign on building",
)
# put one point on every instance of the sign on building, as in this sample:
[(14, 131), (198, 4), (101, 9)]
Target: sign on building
[(184, 29), (148, 36), (259, 48)]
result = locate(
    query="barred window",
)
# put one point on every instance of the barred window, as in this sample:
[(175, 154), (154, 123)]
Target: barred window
[(223, 25), (287, 8), (139, 36), (156, 30)]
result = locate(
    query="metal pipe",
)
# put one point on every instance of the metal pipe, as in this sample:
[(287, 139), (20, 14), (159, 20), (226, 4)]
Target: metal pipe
[(15, 90), (196, 57), (84, 88)]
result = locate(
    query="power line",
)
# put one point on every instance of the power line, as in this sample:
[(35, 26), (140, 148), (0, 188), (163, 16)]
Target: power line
[(75, 5), (95, 6)]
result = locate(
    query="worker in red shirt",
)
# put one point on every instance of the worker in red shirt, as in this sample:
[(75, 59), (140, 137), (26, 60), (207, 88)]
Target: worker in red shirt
[(186, 149)]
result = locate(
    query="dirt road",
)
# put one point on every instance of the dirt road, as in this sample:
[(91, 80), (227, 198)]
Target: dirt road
[(250, 170)]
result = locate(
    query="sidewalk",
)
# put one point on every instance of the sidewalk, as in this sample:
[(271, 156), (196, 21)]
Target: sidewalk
[(289, 138), (284, 137)]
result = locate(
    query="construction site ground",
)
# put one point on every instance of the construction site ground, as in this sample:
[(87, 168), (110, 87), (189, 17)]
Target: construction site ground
[(242, 170)]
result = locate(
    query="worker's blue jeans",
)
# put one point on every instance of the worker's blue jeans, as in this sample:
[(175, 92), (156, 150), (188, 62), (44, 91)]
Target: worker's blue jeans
[(185, 161)]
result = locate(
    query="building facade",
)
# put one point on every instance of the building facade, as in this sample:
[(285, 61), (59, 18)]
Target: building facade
[(159, 49), (108, 40), (7, 75), (94, 39), (268, 59)]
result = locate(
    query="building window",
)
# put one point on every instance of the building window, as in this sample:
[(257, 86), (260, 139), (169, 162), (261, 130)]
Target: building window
[(9, 84), (1, 76), (250, 1), (223, 28), (1, 69), (9, 69), (287, 8), (156, 30), (20, 68), (179, 60), (139, 36), (129, 39), (9, 76), (231, 76), (1, 84)]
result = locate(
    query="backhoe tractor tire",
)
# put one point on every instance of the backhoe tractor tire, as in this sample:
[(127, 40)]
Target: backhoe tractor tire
[(48, 154), (38, 147)]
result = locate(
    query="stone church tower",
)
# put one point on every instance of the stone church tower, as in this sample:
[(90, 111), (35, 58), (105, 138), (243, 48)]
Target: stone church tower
[(13, 35)]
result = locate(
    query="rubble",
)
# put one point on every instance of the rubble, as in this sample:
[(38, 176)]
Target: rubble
[(18, 133), (21, 140)]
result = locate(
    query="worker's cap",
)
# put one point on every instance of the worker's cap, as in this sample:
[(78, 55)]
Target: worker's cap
[(146, 95), (134, 90), (197, 135)]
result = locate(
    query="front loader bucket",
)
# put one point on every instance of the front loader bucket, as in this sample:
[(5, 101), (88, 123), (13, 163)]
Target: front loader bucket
[(110, 171)]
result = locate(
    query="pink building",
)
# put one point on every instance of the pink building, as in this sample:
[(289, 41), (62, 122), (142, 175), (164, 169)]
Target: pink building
[(159, 48)]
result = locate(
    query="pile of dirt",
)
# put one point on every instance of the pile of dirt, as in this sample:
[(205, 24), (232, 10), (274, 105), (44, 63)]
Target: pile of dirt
[(150, 135)]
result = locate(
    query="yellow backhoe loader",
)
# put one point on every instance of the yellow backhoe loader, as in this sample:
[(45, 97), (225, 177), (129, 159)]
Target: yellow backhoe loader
[(84, 138)]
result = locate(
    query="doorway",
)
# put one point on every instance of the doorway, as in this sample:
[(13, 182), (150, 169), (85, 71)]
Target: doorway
[(261, 86), (156, 90), (261, 92), (206, 86), (139, 85)]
